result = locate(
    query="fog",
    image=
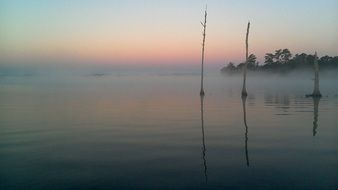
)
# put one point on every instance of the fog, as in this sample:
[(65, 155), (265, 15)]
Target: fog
[(300, 81), (76, 69)]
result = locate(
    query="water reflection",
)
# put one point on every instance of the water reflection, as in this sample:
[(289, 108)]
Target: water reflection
[(280, 102), (251, 100), (246, 130), (203, 140), (315, 114)]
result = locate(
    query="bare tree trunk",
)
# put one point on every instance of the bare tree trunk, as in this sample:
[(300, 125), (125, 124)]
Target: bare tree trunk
[(316, 92), (244, 93), (204, 24)]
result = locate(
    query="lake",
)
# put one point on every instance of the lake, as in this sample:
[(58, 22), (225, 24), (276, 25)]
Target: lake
[(153, 131)]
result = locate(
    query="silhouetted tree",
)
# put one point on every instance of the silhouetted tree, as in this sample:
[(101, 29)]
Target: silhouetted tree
[(204, 24), (285, 56), (328, 62), (252, 64), (277, 56), (282, 61), (269, 59), (325, 59), (316, 92), (244, 93), (229, 68)]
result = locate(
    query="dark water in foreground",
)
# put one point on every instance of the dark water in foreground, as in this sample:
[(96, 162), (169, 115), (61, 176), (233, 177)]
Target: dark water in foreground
[(154, 132)]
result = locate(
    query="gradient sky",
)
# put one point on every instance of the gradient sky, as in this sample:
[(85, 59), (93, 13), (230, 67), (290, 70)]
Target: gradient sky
[(162, 31)]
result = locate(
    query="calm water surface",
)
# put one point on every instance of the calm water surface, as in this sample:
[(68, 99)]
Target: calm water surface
[(155, 132)]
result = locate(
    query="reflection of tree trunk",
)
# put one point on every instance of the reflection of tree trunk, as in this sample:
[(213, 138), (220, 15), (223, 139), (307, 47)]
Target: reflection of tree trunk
[(315, 115), (316, 91), (203, 140), (204, 24), (244, 93), (246, 131)]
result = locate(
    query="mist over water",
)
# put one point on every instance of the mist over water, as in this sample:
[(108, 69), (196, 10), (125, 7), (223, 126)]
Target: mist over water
[(117, 95), (129, 128)]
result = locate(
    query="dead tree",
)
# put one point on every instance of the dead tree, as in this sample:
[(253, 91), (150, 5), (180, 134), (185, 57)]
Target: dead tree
[(244, 93), (316, 92), (204, 24)]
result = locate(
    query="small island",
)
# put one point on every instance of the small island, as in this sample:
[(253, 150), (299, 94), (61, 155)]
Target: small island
[(283, 62)]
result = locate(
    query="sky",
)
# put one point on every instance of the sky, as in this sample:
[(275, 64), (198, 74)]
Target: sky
[(161, 32)]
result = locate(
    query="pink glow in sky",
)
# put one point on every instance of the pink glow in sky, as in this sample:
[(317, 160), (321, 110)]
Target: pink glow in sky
[(163, 32)]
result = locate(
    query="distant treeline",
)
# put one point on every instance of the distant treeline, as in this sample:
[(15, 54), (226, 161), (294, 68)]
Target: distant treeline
[(282, 61)]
